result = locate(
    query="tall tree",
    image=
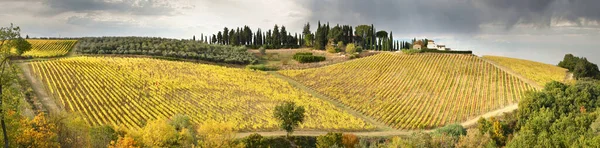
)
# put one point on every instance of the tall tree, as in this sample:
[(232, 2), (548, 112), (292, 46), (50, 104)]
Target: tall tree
[(362, 33), (225, 36), (284, 37), (10, 37), (276, 37), (219, 38)]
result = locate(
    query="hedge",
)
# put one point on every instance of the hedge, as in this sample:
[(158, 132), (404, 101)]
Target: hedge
[(309, 58), (447, 51)]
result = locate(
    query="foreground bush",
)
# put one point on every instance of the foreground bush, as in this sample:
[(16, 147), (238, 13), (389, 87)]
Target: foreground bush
[(329, 140)]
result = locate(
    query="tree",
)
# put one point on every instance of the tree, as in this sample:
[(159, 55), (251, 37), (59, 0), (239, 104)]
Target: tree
[(158, 133), (349, 140), (363, 34), (276, 36), (584, 69), (9, 38), (335, 34), (225, 36), (289, 116), (475, 139), (101, 136), (219, 38), (38, 132), (254, 141), (569, 62)]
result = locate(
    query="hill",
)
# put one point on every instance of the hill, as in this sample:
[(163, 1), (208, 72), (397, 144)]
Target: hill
[(416, 91), (541, 73), (130, 91), (49, 48)]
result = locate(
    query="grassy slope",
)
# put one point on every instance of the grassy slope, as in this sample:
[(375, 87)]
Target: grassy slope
[(416, 91), (541, 73)]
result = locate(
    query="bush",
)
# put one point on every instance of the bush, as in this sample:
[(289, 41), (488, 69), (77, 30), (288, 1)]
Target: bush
[(411, 51), (350, 49), (454, 130), (261, 67), (359, 49), (329, 140), (349, 140), (262, 50), (307, 57), (254, 141)]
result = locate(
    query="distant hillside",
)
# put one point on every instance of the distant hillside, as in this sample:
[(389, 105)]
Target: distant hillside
[(416, 91), (541, 73)]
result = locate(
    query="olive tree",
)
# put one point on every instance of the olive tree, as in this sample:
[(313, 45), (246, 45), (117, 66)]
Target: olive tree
[(290, 116)]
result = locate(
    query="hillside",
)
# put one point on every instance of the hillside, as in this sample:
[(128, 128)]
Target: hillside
[(541, 73), (130, 91), (49, 48), (416, 91)]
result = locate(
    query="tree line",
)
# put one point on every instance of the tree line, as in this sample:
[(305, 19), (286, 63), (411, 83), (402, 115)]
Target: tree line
[(365, 36)]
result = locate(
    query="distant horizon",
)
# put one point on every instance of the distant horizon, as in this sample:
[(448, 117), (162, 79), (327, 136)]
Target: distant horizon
[(536, 30)]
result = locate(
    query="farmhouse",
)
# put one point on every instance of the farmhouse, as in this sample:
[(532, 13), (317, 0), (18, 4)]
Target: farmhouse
[(431, 45), (441, 47), (417, 46)]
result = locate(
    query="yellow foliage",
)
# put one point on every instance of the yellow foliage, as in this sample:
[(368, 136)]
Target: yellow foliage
[(416, 91), (215, 134), (158, 133), (123, 142), (37, 133), (128, 91)]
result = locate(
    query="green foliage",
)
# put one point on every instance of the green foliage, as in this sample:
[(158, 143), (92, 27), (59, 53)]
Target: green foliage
[(559, 116), (307, 57), (411, 51), (261, 67), (329, 140), (183, 49), (101, 136), (22, 46), (254, 141), (289, 116), (454, 130), (359, 49), (330, 48), (580, 67), (158, 133)]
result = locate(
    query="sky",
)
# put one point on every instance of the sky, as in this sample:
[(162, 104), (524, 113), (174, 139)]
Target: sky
[(539, 30)]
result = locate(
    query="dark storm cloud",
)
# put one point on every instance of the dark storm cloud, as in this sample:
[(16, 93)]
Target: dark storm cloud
[(135, 7), (450, 16)]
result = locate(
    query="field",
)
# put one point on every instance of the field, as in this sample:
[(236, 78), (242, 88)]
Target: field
[(416, 91), (130, 91), (539, 72), (282, 58), (49, 48)]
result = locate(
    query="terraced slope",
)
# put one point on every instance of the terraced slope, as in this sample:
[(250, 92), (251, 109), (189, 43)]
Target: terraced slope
[(49, 48), (416, 91), (541, 73), (129, 91)]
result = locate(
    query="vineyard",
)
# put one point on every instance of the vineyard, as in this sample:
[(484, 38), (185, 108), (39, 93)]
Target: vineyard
[(539, 72), (131, 91), (49, 48), (416, 91)]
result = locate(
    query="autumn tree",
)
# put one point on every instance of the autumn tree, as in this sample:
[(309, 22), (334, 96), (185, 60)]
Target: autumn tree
[(39, 132), (216, 134)]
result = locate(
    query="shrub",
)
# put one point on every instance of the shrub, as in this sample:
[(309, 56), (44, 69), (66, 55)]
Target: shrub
[(307, 57), (411, 51), (254, 141), (349, 140), (454, 130), (329, 140), (359, 48), (350, 49), (262, 50), (261, 67), (330, 48)]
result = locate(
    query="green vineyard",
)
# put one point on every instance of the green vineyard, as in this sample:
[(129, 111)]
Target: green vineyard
[(416, 91), (49, 48), (131, 91)]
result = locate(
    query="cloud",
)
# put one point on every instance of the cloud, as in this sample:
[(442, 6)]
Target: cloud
[(132, 7), (454, 16)]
